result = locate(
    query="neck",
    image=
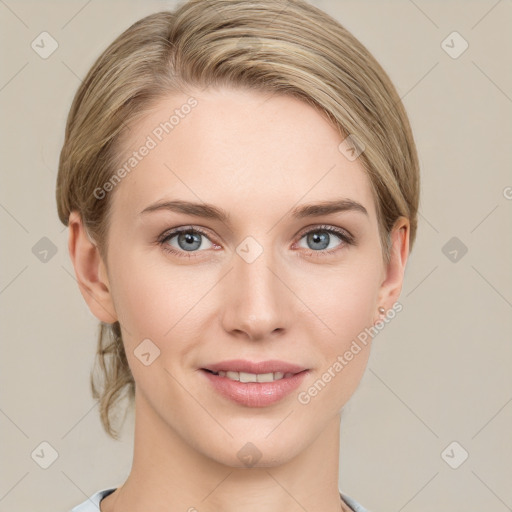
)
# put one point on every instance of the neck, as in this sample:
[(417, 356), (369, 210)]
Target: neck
[(169, 474)]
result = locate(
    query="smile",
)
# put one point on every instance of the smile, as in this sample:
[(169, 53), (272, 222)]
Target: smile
[(253, 389), (253, 377)]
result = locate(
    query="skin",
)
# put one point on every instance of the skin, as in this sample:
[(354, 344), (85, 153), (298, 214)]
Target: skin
[(257, 156)]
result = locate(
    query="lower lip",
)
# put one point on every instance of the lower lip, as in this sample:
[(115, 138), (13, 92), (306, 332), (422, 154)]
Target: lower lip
[(255, 394)]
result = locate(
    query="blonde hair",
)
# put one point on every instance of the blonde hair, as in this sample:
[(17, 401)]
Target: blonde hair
[(289, 48)]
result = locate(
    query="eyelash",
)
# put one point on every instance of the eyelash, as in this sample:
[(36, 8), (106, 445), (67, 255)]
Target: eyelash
[(346, 238)]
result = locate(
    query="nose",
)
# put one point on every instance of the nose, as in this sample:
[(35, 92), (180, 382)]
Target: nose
[(256, 301)]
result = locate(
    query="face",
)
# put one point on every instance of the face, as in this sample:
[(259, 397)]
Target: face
[(194, 290)]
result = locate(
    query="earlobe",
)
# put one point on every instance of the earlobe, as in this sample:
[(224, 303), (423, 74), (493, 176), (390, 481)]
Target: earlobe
[(391, 287), (90, 271)]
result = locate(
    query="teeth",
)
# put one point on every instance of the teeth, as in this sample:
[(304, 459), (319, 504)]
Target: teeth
[(253, 377)]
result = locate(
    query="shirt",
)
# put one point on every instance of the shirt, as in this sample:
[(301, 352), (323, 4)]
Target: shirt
[(93, 503)]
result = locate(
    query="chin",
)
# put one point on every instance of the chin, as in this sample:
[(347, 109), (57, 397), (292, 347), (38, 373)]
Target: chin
[(256, 452)]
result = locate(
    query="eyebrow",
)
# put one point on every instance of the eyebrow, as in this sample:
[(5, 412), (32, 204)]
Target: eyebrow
[(210, 211)]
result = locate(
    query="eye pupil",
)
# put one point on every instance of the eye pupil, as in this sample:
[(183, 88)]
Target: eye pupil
[(323, 239), (190, 239)]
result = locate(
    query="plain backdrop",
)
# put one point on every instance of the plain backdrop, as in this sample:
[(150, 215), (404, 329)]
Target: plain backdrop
[(438, 387)]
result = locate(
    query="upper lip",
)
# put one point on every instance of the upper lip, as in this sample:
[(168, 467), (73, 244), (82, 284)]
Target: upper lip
[(242, 365)]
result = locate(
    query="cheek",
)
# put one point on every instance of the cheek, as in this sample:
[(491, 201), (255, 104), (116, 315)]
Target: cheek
[(345, 300), (156, 301), (347, 307), (139, 306), (138, 297)]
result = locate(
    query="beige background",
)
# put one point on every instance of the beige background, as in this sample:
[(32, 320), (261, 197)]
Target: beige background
[(440, 372)]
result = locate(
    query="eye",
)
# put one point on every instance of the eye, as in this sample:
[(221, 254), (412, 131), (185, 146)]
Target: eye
[(188, 239), (321, 238)]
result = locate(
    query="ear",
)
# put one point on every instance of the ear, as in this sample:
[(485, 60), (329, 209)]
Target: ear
[(394, 271), (90, 271)]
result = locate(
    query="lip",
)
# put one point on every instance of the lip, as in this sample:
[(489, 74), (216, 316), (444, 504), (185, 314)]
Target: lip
[(255, 394), (242, 365)]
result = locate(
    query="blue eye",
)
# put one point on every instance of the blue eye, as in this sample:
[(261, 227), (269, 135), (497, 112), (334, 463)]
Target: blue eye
[(321, 239), (190, 239)]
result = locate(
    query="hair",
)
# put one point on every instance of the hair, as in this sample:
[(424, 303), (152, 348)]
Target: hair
[(283, 47)]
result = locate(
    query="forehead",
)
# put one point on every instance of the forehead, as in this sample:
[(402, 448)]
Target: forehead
[(249, 151)]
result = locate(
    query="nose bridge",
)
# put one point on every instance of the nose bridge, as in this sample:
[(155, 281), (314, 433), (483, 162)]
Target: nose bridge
[(255, 296)]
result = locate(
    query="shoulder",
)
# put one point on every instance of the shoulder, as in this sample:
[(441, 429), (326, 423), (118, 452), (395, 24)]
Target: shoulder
[(92, 504), (353, 504)]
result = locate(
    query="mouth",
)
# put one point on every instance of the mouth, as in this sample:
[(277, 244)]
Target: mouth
[(252, 377), (254, 384), (243, 366)]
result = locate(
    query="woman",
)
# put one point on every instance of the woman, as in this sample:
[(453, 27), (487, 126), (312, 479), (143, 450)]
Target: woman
[(241, 187)]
